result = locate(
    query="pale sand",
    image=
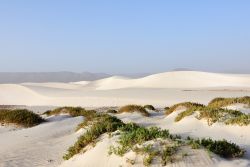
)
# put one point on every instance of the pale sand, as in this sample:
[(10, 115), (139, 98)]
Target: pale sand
[(159, 89), (45, 144), (42, 145)]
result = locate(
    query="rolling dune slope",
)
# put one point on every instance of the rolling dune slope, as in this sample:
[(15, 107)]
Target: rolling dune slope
[(158, 89), (177, 79)]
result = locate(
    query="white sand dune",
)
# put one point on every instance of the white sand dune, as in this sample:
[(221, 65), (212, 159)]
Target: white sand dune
[(45, 144), (180, 79), (159, 89)]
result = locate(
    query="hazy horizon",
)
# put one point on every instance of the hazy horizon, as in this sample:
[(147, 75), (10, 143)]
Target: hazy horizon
[(124, 37)]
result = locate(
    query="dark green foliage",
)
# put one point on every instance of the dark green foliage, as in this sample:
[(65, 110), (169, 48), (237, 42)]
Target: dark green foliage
[(223, 102), (21, 117), (223, 148), (149, 107), (134, 108)]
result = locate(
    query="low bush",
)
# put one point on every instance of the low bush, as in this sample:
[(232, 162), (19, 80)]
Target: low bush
[(134, 108), (223, 148), (21, 117)]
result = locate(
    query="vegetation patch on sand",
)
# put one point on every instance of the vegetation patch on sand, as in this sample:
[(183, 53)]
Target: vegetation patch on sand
[(213, 115), (141, 140), (186, 105), (99, 124), (221, 147), (88, 115), (134, 108), (20, 117), (223, 102)]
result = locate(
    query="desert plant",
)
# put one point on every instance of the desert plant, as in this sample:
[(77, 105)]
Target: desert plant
[(223, 148), (21, 117)]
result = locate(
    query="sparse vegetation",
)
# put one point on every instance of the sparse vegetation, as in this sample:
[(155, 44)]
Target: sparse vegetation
[(20, 117), (213, 115), (133, 137), (134, 108), (223, 102), (167, 153), (134, 134), (221, 147), (100, 124), (149, 107), (187, 105)]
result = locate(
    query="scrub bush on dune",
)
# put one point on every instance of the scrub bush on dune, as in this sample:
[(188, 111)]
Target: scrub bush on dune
[(21, 117)]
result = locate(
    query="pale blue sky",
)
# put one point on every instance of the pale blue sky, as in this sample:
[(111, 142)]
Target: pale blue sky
[(130, 36)]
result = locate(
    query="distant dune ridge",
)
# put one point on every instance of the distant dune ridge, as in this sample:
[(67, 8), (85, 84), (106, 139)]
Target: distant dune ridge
[(158, 89), (176, 79)]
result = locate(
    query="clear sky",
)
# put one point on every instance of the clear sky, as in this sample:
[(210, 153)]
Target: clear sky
[(129, 36)]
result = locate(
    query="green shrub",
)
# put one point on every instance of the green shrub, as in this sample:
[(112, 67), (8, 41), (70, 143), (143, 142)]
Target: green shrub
[(223, 148), (134, 108), (21, 117), (149, 107)]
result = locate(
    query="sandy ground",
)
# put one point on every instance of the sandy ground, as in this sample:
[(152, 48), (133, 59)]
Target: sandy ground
[(45, 144), (42, 145), (159, 89)]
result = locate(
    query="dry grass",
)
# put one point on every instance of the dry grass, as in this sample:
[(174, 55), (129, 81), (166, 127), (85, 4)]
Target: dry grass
[(223, 102), (187, 105), (134, 108)]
